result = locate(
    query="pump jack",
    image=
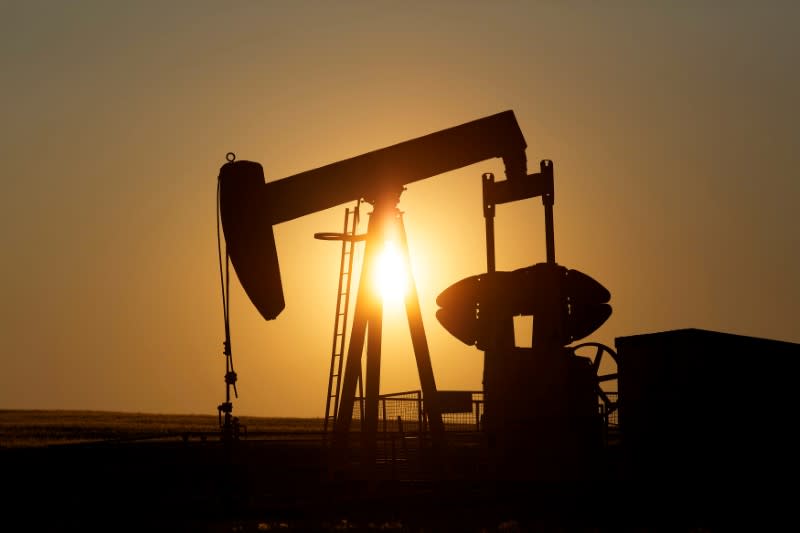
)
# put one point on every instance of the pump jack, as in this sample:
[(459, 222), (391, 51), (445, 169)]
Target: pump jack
[(250, 207)]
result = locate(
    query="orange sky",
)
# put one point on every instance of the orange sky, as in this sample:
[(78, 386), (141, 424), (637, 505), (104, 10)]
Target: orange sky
[(674, 132)]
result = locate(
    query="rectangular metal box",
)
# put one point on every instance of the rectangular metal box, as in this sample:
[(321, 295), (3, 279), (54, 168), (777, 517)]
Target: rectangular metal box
[(698, 406)]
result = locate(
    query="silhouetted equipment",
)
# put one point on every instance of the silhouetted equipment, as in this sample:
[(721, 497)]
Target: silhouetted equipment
[(698, 408), (526, 291), (248, 235), (545, 395), (609, 402), (455, 401), (706, 409), (348, 238), (250, 207), (229, 424), (541, 403)]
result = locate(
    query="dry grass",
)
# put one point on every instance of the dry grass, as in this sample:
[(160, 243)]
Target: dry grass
[(31, 428)]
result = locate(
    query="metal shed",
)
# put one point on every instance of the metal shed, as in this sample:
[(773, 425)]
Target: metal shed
[(707, 408)]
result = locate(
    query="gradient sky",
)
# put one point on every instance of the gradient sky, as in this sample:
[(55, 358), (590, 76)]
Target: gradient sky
[(673, 129)]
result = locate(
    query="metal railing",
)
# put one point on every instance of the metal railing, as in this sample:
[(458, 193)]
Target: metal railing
[(405, 412)]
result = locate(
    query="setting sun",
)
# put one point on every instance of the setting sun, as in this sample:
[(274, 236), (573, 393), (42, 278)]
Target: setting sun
[(391, 277)]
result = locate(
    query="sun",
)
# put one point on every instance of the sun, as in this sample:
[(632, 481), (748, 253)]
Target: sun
[(391, 276)]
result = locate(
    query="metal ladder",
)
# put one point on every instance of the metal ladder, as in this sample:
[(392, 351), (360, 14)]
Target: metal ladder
[(340, 321)]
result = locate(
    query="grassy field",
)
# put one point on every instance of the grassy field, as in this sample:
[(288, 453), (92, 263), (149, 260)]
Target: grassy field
[(34, 428), (273, 484)]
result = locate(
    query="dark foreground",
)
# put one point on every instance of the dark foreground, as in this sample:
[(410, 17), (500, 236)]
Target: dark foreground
[(266, 484)]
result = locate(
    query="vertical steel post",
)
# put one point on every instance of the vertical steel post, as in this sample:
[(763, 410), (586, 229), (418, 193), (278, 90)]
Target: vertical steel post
[(420, 344), (548, 199), (369, 426), (488, 215), (364, 312)]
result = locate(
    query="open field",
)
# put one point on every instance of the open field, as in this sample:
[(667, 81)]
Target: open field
[(87, 471), (34, 428)]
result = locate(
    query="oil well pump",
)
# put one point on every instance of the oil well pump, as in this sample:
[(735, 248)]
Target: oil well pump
[(544, 405), (542, 401)]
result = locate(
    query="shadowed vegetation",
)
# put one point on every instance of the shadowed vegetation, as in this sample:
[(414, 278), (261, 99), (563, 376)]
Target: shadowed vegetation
[(30, 428)]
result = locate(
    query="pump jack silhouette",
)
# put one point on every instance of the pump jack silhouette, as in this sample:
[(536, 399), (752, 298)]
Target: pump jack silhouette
[(567, 305)]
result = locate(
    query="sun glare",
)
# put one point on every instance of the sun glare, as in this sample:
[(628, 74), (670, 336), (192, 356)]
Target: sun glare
[(391, 278)]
